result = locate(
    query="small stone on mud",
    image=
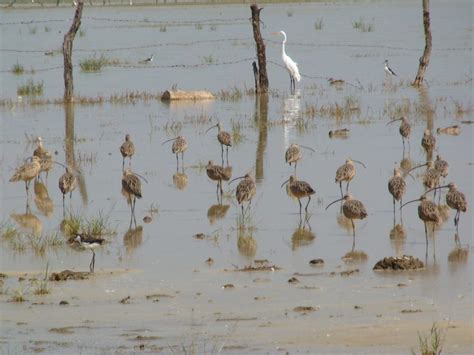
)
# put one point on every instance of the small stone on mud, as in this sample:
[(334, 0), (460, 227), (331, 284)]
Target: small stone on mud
[(226, 286), (199, 236), (305, 309), (210, 261), (405, 262), (63, 303), (401, 285), (316, 262), (349, 272), (68, 275), (293, 280), (411, 311), (125, 300), (357, 307), (147, 219)]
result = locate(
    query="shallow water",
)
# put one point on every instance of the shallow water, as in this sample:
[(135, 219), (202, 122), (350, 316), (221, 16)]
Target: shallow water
[(257, 314)]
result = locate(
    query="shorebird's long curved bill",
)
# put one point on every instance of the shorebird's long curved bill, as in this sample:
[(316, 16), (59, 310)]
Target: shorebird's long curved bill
[(395, 120), (306, 147), (332, 203), (436, 188), (284, 183), (56, 162), (211, 128), (406, 203), (410, 176), (416, 167), (169, 140), (141, 177), (237, 178), (359, 162)]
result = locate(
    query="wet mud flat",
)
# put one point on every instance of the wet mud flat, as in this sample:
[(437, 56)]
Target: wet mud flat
[(191, 274)]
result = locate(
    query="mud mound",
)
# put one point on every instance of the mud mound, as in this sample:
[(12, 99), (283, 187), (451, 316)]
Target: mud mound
[(68, 275), (405, 262)]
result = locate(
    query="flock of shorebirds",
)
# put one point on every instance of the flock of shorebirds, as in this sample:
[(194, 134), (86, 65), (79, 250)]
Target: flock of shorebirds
[(352, 209)]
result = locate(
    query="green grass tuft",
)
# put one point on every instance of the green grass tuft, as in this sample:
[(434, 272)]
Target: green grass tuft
[(30, 88), (17, 69)]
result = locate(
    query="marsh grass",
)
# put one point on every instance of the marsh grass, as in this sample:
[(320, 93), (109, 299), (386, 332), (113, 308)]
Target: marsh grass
[(319, 24), (40, 244), (237, 136), (18, 295), (209, 59), (162, 28), (76, 223), (96, 64), (82, 33), (198, 26), (32, 30), (30, 88), (173, 128), (17, 69), (213, 27), (47, 29), (363, 26), (232, 94), (42, 286), (290, 12), (431, 343)]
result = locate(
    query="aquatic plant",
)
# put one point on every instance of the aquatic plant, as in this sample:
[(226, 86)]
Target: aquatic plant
[(362, 26), (42, 286), (30, 88), (17, 69), (319, 23), (237, 136), (431, 343)]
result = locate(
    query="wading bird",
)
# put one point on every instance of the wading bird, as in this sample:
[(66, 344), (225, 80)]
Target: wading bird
[(127, 149), (300, 189), (132, 189), (405, 129), (428, 142), (217, 173), (346, 172), (431, 177), (290, 65), (442, 166), (293, 154), (225, 139), (67, 183), (91, 243), (46, 158), (427, 212), (339, 133), (179, 146), (245, 191), (454, 199), (352, 209), (397, 188), (147, 60), (27, 172), (387, 69)]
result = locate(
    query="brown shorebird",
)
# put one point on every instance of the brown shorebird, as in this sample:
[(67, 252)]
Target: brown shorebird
[(293, 154), (46, 158), (300, 189), (127, 149), (179, 146), (352, 209), (217, 173), (132, 189), (397, 188), (67, 183), (428, 142), (441, 165), (245, 191), (451, 130), (405, 129), (339, 133), (427, 212), (346, 172), (431, 177), (27, 172), (89, 242), (224, 138), (456, 200)]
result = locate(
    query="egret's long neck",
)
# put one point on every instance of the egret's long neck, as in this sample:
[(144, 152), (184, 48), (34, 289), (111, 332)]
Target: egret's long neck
[(283, 52)]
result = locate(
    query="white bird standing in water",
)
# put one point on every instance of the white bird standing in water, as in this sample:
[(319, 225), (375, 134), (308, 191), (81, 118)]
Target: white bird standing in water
[(290, 64), (387, 69)]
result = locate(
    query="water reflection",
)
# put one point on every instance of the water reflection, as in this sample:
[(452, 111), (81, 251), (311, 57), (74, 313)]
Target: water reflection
[(406, 165), (28, 221), (355, 256), (302, 235), (180, 180), (246, 244), (216, 212), (444, 213), (429, 112), (42, 200), (69, 150), (261, 119), (397, 237), (133, 238)]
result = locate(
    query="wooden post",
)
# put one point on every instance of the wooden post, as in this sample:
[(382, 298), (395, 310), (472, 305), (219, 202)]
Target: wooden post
[(262, 61), (67, 53), (425, 59), (255, 77)]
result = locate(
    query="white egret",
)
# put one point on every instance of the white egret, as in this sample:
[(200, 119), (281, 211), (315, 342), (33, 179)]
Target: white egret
[(290, 64)]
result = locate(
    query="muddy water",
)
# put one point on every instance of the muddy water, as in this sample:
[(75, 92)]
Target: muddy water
[(163, 258)]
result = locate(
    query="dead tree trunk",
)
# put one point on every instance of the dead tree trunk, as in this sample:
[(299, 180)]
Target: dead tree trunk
[(262, 86), (425, 59), (67, 53)]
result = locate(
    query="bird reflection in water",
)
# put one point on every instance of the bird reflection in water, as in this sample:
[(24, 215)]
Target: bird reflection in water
[(42, 200), (180, 180), (302, 235), (133, 238), (398, 236), (246, 243), (216, 212), (459, 254), (28, 221)]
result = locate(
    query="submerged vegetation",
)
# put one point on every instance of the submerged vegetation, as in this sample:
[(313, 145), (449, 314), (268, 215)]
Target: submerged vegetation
[(96, 64), (30, 88), (363, 26), (17, 69)]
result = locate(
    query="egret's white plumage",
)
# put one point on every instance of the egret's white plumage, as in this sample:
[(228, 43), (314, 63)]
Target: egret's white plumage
[(290, 64)]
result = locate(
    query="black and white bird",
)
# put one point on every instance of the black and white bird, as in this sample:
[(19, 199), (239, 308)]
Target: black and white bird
[(147, 60), (89, 242), (387, 69)]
